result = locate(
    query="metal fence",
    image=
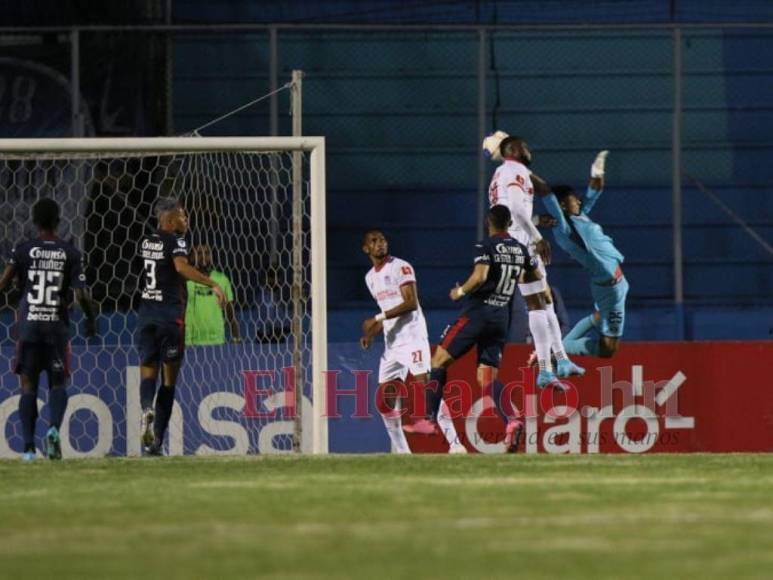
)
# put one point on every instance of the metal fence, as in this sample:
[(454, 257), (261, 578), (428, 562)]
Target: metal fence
[(685, 110)]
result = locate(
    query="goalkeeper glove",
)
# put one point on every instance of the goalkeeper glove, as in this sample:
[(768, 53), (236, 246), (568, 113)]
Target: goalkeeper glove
[(597, 169)]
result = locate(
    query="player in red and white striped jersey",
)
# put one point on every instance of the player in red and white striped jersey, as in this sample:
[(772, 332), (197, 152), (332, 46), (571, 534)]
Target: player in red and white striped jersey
[(392, 283)]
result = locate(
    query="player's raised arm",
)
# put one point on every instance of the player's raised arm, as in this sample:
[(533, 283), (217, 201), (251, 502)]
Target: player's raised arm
[(596, 183), (188, 272)]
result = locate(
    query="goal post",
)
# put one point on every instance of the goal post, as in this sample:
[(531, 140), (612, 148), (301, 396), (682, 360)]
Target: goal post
[(243, 195)]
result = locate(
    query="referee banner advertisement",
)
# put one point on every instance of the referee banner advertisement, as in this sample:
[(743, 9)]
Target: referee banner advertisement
[(651, 397)]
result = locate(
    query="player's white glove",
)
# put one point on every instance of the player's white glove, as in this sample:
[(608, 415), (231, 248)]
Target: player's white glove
[(597, 169), (491, 145)]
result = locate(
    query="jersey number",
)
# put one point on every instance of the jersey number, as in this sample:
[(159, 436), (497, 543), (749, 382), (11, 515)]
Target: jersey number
[(507, 280), (45, 287), (150, 275), (416, 354)]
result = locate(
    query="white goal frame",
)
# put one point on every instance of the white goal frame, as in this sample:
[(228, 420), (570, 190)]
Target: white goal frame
[(313, 145)]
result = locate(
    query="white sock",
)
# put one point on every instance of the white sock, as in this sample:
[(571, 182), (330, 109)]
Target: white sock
[(446, 425), (394, 427), (538, 325), (556, 344)]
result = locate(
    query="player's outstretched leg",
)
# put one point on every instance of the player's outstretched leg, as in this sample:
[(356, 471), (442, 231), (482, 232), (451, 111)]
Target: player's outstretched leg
[(433, 393), (564, 366), (446, 424), (577, 340), (510, 415), (538, 325)]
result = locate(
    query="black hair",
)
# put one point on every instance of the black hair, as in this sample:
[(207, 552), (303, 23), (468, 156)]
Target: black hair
[(371, 231), (499, 217), (506, 142), (45, 214), (562, 191)]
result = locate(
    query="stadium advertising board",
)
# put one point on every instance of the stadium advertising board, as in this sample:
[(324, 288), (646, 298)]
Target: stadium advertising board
[(652, 397)]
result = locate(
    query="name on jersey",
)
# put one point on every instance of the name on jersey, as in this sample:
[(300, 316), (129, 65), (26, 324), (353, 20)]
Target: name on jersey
[(152, 250), (507, 254), (43, 259)]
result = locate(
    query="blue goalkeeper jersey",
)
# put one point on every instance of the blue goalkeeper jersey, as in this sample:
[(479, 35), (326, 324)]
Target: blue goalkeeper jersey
[(584, 240)]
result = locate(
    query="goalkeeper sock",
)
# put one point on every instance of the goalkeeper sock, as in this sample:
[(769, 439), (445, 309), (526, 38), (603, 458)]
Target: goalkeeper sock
[(583, 327), (588, 346), (555, 332), (394, 427), (57, 400), (434, 392), (446, 424), (164, 403), (28, 412), (147, 393)]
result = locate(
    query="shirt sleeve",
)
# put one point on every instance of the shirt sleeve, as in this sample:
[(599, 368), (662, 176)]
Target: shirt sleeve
[(179, 247), (590, 199), (405, 274), (530, 262), (77, 275), (554, 209), (229, 292), (13, 258), (481, 255)]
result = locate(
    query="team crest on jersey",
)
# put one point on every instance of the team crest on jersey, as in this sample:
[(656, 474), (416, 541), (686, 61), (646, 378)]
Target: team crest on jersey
[(387, 279), (181, 243)]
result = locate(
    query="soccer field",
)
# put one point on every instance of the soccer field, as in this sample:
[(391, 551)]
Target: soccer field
[(389, 517)]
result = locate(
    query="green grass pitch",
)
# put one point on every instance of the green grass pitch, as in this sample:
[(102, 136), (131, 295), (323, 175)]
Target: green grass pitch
[(652, 516)]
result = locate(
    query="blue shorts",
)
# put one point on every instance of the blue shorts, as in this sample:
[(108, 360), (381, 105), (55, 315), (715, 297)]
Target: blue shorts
[(486, 329), (610, 302), (52, 356), (160, 341)]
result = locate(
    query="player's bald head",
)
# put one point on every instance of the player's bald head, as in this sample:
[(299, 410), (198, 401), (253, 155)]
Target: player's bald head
[(515, 147), (164, 206)]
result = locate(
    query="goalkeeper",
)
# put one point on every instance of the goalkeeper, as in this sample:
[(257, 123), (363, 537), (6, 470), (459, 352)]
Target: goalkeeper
[(586, 242)]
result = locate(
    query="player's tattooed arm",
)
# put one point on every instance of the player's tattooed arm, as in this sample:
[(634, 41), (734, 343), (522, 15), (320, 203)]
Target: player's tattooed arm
[(475, 281), (188, 272), (7, 277)]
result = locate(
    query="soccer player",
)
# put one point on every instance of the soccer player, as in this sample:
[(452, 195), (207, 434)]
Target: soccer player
[(586, 242), (392, 283), (500, 263), (161, 322), (46, 268), (204, 319), (512, 187)]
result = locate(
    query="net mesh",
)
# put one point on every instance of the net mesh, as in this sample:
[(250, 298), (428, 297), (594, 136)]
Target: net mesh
[(240, 207)]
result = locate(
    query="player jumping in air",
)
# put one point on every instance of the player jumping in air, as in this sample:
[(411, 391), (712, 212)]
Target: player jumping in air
[(586, 242), (500, 263), (45, 268), (392, 283), (161, 319), (512, 187)]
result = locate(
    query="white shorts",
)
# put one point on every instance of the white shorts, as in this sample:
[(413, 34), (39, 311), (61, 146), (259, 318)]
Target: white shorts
[(398, 361), (540, 266)]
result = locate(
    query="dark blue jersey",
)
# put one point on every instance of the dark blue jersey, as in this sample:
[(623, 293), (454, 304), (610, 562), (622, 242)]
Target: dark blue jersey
[(46, 270), (163, 291), (507, 259)]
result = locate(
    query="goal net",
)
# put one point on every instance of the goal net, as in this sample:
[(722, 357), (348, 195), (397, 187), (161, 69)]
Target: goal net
[(256, 206)]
